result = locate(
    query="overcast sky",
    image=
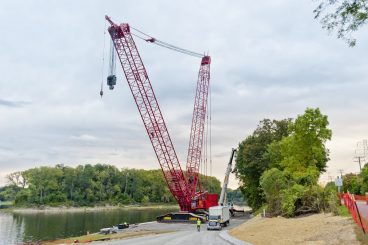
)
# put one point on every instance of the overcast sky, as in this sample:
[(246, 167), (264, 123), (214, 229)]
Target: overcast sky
[(270, 59)]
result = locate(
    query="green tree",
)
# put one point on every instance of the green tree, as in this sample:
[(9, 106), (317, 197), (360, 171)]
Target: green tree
[(44, 183), (93, 185), (252, 158), (355, 183), (273, 183), (345, 17), (303, 153), (236, 196), (300, 158)]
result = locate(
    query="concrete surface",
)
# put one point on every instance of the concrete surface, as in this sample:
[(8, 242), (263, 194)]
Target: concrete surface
[(181, 233)]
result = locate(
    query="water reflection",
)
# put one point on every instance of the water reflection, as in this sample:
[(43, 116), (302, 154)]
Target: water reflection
[(20, 227)]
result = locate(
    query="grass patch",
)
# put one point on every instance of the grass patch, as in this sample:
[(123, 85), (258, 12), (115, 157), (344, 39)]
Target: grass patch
[(343, 211)]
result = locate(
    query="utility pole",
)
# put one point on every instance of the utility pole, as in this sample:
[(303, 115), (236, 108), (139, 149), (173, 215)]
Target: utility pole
[(361, 152), (359, 161), (329, 177), (341, 171)]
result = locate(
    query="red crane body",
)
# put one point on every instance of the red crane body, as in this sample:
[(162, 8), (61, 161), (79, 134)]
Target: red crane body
[(136, 75), (198, 121)]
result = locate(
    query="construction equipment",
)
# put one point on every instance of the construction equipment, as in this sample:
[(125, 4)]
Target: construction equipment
[(222, 199), (218, 216), (111, 78), (223, 196), (183, 188)]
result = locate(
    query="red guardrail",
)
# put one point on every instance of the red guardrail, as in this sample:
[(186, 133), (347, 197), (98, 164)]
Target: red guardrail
[(349, 200), (360, 198)]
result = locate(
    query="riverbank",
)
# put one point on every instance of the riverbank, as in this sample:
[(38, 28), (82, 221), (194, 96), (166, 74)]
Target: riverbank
[(34, 226), (48, 209), (99, 237), (311, 229), (159, 233)]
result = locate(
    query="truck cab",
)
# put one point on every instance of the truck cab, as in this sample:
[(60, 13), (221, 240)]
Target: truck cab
[(218, 217)]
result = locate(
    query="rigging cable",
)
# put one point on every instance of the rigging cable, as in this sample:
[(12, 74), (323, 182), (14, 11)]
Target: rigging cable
[(153, 40), (103, 62), (210, 130)]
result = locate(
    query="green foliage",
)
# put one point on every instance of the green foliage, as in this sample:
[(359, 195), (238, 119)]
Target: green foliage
[(343, 211), (235, 196), (330, 202), (8, 193), (210, 183), (89, 185), (303, 152), (282, 167), (23, 197), (252, 158), (344, 16), (291, 198), (356, 183), (352, 183), (273, 183), (364, 176)]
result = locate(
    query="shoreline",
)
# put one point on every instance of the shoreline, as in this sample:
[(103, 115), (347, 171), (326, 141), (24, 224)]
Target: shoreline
[(146, 229), (61, 209)]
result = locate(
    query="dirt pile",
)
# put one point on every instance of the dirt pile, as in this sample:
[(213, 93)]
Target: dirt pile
[(313, 229)]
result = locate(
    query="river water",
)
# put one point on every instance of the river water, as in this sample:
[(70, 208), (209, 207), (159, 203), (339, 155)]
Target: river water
[(18, 228)]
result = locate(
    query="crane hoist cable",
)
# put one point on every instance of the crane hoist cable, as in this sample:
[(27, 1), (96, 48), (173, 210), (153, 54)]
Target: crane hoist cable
[(103, 62), (111, 79), (153, 40)]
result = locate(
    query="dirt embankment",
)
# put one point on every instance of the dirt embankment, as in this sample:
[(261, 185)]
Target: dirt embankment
[(312, 229)]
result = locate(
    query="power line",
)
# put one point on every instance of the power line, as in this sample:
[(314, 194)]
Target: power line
[(361, 152)]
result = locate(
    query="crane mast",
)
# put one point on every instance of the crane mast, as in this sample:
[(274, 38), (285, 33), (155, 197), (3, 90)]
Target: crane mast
[(226, 179), (198, 122), (145, 99)]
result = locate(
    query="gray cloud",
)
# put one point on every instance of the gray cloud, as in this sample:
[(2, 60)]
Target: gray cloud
[(10, 103), (269, 60)]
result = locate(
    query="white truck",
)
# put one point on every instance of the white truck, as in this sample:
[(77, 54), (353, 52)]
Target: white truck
[(218, 216)]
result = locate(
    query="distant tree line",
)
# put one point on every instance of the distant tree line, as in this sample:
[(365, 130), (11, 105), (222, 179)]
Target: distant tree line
[(235, 196), (91, 185), (279, 165), (356, 183)]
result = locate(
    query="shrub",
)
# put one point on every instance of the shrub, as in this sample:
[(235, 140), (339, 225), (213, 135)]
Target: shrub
[(273, 182), (292, 199)]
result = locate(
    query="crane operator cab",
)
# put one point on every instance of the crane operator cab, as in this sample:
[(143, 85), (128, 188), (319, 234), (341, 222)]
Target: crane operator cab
[(111, 81)]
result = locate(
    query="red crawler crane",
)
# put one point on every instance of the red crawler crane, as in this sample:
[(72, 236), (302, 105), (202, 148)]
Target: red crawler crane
[(183, 189)]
